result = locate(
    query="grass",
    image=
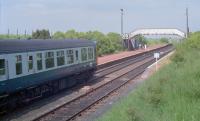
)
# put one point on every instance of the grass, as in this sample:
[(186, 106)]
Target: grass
[(172, 94)]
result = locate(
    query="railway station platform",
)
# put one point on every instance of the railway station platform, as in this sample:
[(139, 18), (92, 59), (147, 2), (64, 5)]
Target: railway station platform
[(113, 57)]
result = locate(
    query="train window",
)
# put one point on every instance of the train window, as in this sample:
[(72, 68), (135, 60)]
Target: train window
[(70, 57), (60, 58), (49, 61), (2, 67), (76, 55), (30, 63), (18, 65), (83, 54), (39, 61), (90, 53)]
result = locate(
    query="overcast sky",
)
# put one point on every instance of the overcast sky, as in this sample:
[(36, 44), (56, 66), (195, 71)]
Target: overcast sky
[(101, 15)]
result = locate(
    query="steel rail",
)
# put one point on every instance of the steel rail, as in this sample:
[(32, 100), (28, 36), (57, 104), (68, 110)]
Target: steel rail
[(106, 65), (130, 75), (107, 70), (120, 65)]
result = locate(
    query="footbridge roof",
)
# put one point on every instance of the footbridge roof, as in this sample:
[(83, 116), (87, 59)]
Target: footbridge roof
[(157, 32)]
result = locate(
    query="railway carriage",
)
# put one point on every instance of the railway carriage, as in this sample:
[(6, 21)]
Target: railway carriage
[(33, 68)]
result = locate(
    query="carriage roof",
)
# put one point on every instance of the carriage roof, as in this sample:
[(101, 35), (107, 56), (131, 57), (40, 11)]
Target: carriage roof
[(17, 46)]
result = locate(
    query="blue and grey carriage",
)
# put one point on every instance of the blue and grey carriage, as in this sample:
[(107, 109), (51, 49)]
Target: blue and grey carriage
[(32, 68)]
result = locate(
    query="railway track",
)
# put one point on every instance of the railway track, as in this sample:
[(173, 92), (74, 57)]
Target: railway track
[(101, 73), (112, 67), (80, 104), (123, 60)]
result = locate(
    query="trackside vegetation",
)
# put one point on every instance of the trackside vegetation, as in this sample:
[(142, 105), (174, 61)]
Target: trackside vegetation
[(157, 41), (171, 94), (106, 43)]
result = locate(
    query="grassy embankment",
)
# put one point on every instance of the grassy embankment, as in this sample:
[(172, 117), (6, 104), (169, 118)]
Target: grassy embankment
[(172, 94)]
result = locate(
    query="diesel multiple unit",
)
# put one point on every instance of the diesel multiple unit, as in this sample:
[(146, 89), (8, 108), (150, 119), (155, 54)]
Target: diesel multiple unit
[(33, 68)]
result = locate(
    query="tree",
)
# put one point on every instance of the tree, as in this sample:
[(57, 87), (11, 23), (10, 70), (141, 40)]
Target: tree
[(71, 34), (41, 34), (81, 35), (115, 40), (106, 44), (141, 39), (164, 40), (59, 35)]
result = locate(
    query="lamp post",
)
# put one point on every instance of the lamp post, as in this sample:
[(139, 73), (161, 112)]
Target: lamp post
[(122, 13)]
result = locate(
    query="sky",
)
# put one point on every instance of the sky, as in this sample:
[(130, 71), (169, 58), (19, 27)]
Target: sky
[(100, 15)]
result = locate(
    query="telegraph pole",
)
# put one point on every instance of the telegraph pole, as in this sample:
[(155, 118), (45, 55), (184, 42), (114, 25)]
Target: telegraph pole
[(25, 33), (17, 33), (187, 23), (8, 35)]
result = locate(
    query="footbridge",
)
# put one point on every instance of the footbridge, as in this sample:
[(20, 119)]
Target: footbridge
[(130, 39)]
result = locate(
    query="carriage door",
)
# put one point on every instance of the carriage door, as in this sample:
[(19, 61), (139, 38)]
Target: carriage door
[(76, 54), (3, 68), (30, 63)]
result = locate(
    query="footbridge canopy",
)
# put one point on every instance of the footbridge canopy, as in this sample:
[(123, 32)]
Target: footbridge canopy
[(176, 32), (131, 43)]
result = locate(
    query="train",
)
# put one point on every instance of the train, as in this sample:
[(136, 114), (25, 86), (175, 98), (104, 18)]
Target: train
[(30, 69)]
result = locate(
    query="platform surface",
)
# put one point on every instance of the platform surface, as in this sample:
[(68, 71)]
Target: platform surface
[(124, 54)]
